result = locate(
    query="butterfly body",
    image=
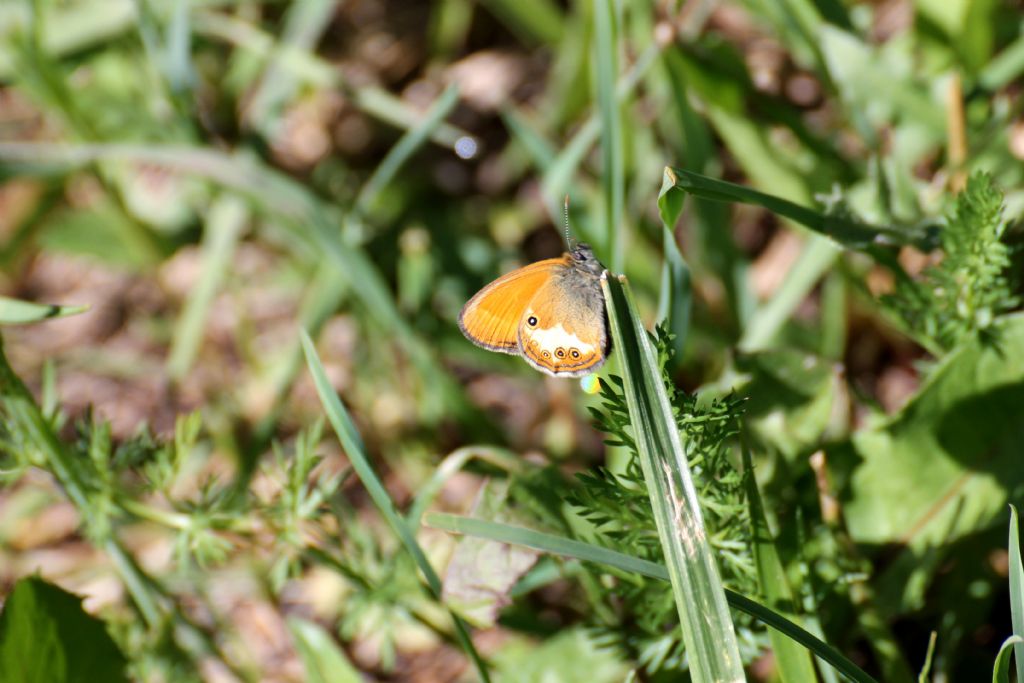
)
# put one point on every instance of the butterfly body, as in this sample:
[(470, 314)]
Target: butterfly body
[(551, 313)]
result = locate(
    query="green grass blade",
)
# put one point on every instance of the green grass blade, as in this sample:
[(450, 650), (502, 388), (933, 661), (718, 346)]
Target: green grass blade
[(794, 663), (412, 140), (1006, 67), (675, 300), (1016, 590), (606, 62), (846, 231), (1001, 667), (314, 223), (559, 173), (323, 660), (700, 599), (304, 24), (541, 152), (352, 442), (534, 21), (225, 223), (451, 465), (566, 547), (815, 260), (17, 312)]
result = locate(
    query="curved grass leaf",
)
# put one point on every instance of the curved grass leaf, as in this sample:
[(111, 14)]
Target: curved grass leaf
[(793, 662), (1016, 592), (352, 442), (587, 552), (849, 233), (1001, 668), (676, 297), (17, 312), (707, 627)]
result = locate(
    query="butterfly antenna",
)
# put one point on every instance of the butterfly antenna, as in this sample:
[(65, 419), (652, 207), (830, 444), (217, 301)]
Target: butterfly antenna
[(568, 239)]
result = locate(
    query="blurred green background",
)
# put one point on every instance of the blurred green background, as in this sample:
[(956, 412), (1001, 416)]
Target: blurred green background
[(210, 175)]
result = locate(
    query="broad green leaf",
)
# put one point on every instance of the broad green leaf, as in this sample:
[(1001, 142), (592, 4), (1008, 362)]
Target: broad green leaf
[(17, 312), (1016, 591), (571, 656), (707, 627), (46, 637), (323, 660), (943, 466)]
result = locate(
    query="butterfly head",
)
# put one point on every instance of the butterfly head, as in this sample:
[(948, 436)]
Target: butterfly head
[(584, 259)]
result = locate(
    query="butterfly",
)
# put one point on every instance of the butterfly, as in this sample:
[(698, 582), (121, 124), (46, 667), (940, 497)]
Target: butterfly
[(551, 313)]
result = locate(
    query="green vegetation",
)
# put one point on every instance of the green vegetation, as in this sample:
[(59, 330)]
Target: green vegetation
[(227, 224)]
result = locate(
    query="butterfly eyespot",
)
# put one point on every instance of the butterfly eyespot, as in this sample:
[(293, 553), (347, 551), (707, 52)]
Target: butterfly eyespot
[(546, 354), (532, 321), (560, 352), (575, 353)]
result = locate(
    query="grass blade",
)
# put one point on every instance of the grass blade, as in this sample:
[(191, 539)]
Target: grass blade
[(1016, 590), (304, 25), (535, 21), (846, 231), (676, 298), (412, 140), (700, 599), (566, 547), (323, 660), (793, 662), (17, 312), (606, 61), (815, 260), (1001, 668), (352, 442), (314, 223), (227, 219)]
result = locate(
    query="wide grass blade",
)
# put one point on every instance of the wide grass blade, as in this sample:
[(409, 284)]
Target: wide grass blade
[(352, 442), (707, 627), (17, 312), (566, 547), (1016, 591), (793, 662)]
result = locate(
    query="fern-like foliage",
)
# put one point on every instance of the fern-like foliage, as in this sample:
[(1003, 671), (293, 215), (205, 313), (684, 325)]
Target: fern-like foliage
[(619, 509), (963, 294)]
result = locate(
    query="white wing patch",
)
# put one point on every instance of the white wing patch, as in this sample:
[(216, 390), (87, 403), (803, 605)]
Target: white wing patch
[(555, 337)]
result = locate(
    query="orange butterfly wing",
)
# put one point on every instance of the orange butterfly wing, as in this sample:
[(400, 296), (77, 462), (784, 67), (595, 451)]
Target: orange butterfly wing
[(491, 318), (563, 331)]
